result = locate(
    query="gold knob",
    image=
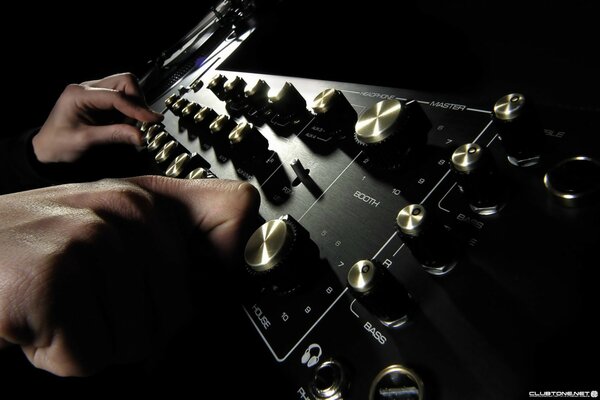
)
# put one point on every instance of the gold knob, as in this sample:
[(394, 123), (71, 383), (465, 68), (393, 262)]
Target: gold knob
[(171, 100), (176, 167), (467, 157), (158, 140), (198, 173), (411, 219), (379, 122), (190, 110), (268, 245), (361, 276), (509, 107), (166, 151)]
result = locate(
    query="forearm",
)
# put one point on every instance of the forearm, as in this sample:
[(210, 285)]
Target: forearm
[(19, 168)]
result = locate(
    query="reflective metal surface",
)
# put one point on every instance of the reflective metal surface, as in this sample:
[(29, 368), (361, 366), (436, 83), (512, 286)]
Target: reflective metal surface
[(158, 141), (397, 382), (509, 107), (239, 132), (198, 173), (325, 99), (361, 276), (268, 245), (176, 167), (379, 122), (164, 153), (411, 219), (466, 157), (204, 114), (219, 123)]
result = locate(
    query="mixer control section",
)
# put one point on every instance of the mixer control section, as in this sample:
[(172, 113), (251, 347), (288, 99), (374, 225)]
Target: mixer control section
[(390, 190), (297, 288)]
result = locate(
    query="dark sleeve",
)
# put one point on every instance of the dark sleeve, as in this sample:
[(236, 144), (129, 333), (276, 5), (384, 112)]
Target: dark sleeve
[(19, 168)]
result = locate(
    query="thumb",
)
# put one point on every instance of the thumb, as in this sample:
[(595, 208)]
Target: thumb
[(220, 209), (116, 133)]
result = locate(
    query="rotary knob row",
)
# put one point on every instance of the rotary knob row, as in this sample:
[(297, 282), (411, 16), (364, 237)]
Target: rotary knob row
[(175, 162), (285, 110)]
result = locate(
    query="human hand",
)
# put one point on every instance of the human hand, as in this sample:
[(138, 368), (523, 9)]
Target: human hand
[(84, 116), (96, 274)]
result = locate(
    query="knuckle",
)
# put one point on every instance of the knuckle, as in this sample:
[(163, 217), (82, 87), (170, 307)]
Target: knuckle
[(72, 89), (249, 198), (130, 200)]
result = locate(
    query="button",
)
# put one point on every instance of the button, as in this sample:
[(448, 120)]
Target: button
[(427, 239)]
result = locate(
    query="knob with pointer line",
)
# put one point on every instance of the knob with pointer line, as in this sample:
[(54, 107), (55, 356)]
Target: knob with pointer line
[(379, 292), (427, 239), (519, 129), (478, 178)]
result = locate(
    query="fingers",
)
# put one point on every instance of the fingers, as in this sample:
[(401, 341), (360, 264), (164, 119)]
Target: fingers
[(117, 133), (106, 99), (220, 209), (125, 82)]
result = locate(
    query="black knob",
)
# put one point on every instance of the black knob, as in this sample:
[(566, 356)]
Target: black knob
[(390, 131), (575, 181), (478, 178), (379, 292), (233, 89), (333, 112), (247, 144), (427, 239), (519, 128), (289, 110), (216, 84), (257, 100), (201, 126), (220, 129), (280, 254)]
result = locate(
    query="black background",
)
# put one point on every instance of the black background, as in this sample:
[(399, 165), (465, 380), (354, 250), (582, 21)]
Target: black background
[(466, 49)]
